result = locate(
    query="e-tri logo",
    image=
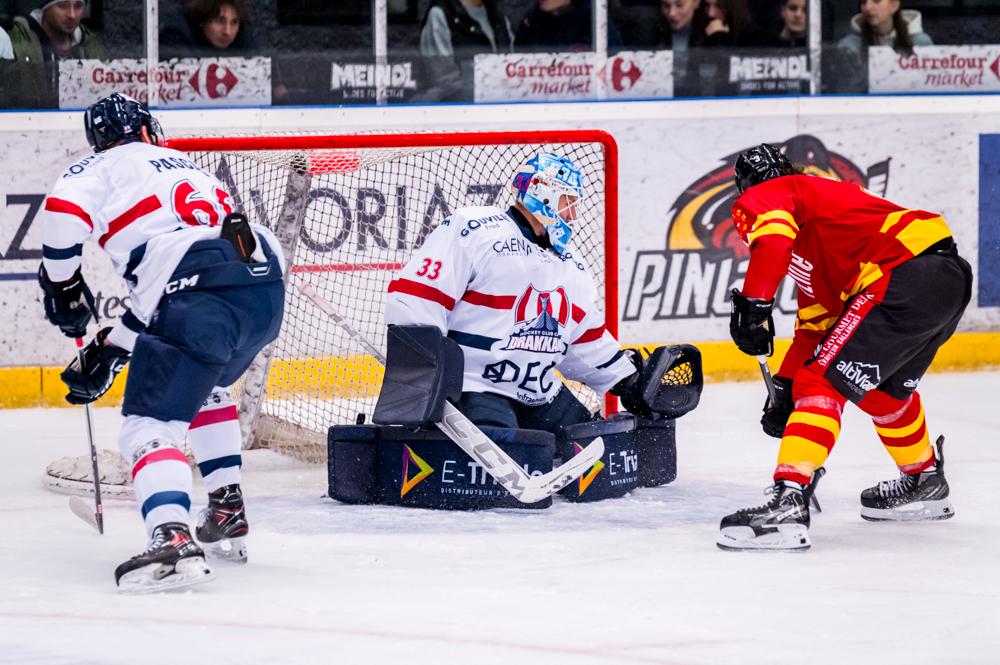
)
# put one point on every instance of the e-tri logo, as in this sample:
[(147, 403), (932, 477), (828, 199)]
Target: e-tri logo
[(423, 470)]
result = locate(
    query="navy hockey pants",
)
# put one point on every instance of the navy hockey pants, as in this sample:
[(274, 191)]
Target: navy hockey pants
[(197, 340)]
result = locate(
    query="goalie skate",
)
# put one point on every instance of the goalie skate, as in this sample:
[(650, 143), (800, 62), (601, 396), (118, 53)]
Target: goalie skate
[(781, 524), (222, 526), (172, 561), (915, 497)]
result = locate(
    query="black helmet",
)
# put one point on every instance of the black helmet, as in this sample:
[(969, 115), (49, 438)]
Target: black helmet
[(760, 164), (118, 119)]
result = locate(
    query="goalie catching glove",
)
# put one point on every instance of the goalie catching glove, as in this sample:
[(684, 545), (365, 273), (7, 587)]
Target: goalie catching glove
[(68, 305), (101, 364), (668, 383)]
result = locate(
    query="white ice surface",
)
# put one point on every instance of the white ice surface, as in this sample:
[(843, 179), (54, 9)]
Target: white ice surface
[(634, 580)]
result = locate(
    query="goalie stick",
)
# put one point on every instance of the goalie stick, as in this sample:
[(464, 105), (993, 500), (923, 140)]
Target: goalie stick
[(79, 508), (468, 437)]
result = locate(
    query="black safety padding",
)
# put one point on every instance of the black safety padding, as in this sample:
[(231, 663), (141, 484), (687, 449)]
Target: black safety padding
[(423, 369)]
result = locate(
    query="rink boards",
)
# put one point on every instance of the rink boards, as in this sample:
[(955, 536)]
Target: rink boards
[(675, 264)]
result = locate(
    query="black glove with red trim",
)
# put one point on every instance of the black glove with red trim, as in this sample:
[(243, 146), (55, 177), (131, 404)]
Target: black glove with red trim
[(93, 377), (68, 305)]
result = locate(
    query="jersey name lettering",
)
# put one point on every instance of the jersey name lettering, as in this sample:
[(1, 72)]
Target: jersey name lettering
[(800, 270), (168, 163)]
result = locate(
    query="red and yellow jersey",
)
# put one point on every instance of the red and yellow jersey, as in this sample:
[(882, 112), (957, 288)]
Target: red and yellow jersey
[(833, 238)]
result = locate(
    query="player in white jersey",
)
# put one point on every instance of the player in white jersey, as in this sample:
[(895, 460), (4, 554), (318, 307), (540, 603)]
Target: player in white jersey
[(507, 287), (206, 295)]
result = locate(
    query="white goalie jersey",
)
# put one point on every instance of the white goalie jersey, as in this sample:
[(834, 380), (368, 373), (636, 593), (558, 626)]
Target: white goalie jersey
[(518, 310)]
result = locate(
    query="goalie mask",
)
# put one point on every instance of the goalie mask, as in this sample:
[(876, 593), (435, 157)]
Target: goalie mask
[(540, 184), (118, 119)]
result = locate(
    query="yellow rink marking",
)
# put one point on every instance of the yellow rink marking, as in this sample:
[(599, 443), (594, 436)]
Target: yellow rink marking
[(329, 377)]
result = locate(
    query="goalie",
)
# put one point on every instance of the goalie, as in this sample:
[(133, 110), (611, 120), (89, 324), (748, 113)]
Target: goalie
[(515, 305)]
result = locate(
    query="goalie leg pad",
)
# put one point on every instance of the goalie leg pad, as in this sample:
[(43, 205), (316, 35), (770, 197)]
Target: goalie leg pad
[(423, 368), (425, 469), (617, 472), (656, 443)]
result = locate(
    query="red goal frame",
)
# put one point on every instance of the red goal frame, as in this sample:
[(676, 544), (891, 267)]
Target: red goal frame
[(452, 139)]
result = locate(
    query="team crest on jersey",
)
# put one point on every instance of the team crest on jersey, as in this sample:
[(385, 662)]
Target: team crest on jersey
[(541, 316)]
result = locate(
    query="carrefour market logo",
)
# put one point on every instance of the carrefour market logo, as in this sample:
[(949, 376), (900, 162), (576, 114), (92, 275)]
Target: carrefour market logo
[(703, 256)]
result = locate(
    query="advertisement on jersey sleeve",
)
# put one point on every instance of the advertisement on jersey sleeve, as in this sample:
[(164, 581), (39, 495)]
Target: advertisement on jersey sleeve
[(931, 69), (573, 76), (181, 82)]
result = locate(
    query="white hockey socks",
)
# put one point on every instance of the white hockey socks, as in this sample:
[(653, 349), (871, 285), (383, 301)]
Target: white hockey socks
[(216, 441), (161, 476)]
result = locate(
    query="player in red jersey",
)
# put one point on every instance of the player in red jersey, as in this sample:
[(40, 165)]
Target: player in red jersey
[(880, 289)]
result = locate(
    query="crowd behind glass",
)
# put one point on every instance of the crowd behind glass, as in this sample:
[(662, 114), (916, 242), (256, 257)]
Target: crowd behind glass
[(438, 39)]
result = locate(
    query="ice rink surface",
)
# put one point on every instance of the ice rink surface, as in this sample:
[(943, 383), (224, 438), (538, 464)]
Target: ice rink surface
[(633, 580)]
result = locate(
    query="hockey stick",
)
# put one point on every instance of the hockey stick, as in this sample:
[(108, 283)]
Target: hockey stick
[(76, 504), (765, 371), (468, 437)]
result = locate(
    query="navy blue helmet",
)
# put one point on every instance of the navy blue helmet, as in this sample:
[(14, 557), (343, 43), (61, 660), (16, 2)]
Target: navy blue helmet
[(760, 164), (118, 119)]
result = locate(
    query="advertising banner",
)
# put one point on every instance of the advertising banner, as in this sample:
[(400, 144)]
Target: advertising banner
[(989, 219), (745, 72), (184, 82), (935, 69), (573, 76), (679, 255)]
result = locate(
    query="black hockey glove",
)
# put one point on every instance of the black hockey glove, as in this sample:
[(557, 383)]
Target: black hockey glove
[(101, 364), (776, 414), (751, 325), (68, 305), (629, 389)]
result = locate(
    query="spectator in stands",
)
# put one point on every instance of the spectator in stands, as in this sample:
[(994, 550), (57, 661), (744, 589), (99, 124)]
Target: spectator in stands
[(880, 23), (682, 25), (208, 28), (6, 49), (453, 32), (51, 32), (729, 24), (885, 23), (794, 26), (561, 26)]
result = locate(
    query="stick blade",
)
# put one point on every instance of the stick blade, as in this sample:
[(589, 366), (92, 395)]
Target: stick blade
[(541, 487), (87, 513)]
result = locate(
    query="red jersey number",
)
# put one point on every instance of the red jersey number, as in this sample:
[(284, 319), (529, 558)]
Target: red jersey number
[(194, 208), (430, 269)]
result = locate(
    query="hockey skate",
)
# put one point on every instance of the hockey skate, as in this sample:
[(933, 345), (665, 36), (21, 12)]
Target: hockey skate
[(222, 526), (911, 497), (780, 524), (172, 561)]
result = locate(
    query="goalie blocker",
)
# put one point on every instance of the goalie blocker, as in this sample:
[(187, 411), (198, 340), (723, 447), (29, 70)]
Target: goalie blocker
[(401, 460)]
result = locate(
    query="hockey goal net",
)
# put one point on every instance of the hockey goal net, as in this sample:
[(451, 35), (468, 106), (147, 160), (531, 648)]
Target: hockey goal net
[(349, 211)]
